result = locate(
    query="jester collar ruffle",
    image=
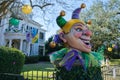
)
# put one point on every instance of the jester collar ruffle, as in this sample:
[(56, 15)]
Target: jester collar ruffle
[(68, 57)]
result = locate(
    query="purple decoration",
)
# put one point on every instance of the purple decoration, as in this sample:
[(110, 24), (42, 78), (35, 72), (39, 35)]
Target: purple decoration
[(116, 47), (57, 39), (28, 36), (75, 14), (70, 58)]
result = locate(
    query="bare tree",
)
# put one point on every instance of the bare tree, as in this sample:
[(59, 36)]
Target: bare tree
[(7, 5), (45, 5), (4, 7)]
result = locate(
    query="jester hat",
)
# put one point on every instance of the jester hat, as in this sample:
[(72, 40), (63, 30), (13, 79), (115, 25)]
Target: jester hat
[(66, 25)]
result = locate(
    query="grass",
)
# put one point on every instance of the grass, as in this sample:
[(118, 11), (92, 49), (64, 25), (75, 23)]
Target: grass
[(41, 66), (36, 71), (38, 75), (115, 62)]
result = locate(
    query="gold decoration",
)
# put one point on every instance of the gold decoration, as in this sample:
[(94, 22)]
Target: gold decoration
[(52, 44), (62, 13), (83, 5), (27, 9), (113, 45), (109, 49), (89, 22)]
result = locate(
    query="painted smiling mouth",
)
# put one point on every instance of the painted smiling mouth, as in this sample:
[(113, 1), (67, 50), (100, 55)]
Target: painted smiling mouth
[(86, 41)]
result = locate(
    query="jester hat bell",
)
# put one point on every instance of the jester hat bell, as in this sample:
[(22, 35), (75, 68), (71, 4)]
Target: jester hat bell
[(66, 25)]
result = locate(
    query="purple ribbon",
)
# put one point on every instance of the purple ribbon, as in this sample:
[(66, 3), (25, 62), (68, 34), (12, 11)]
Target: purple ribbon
[(70, 58), (57, 39)]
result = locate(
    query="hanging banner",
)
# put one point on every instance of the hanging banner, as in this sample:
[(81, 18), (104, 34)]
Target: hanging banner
[(34, 34), (28, 36)]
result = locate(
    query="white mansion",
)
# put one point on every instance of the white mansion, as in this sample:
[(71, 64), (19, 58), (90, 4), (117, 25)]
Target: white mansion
[(20, 36)]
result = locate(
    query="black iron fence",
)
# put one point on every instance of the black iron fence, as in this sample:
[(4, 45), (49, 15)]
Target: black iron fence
[(39, 75), (108, 73)]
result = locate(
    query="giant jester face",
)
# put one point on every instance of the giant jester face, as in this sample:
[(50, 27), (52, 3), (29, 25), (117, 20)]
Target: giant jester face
[(79, 37)]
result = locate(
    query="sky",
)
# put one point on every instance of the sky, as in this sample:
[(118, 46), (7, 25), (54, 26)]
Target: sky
[(53, 27), (53, 11)]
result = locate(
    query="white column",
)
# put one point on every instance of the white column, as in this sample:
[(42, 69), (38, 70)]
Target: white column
[(10, 42), (21, 44), (2, 40)]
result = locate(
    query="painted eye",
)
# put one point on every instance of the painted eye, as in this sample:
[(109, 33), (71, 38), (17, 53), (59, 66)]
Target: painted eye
[(78, 29)]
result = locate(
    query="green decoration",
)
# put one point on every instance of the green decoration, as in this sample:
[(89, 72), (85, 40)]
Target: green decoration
[(61, 21), (14, 21)]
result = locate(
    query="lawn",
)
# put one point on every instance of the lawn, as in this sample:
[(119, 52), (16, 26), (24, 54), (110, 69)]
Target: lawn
[(41, 66), (115, 62), (38, 71), (47, 66)]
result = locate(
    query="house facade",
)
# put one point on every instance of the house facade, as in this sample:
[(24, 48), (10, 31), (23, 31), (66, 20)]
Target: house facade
[(27, 36)]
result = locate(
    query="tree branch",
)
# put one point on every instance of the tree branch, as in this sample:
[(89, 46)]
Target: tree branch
[(118, 13), (3, 7), (31, 2), (41, 7)]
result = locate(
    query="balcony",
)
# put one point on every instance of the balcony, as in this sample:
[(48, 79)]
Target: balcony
[(15, 33)]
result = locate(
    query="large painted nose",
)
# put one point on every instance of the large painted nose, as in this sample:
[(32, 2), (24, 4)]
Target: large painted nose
[(87, 32)]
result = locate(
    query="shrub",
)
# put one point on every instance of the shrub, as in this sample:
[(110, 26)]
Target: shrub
[(9, 76), (31, 59), (11, 60), (44, 58)]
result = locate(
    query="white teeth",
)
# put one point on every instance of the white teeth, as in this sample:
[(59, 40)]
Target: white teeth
[(86, 41)]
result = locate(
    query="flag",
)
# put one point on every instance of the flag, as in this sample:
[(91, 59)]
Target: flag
[(34, 34)]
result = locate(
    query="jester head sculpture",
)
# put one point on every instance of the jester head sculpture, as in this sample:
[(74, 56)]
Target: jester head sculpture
[(76, 61), (75, 32)]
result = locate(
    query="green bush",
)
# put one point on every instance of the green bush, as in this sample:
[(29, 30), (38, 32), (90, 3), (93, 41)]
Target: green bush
[(31, 59), (44, 58), (35, 59), (5, 76), (11, 60)]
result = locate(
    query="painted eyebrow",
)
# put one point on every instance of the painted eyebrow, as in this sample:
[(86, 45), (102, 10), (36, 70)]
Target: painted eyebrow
[(78, 25)]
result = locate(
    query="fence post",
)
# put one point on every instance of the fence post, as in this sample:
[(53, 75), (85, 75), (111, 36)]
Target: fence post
[(114, 73)]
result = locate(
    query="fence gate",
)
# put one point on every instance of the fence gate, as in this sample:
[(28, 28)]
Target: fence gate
[(111, 73)]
